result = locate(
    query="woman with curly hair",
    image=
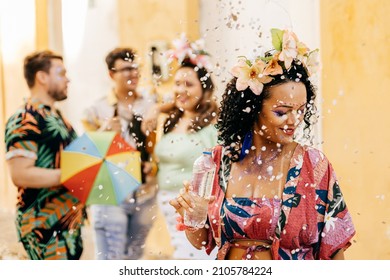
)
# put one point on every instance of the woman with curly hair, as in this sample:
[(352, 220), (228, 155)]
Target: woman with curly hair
[(187, 131), (273, 198)]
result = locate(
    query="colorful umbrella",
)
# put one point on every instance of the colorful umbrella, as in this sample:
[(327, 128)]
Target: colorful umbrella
[(100, 168)]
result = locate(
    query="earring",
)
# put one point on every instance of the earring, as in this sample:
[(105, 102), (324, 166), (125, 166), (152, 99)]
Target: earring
[(246, 144)]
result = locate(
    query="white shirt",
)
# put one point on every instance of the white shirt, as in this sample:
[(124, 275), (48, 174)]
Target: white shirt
[(103, 109)]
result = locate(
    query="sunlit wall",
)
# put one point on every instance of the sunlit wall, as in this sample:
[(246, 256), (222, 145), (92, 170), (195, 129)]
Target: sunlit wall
[(356, 81), (90, 31), (17, 38)]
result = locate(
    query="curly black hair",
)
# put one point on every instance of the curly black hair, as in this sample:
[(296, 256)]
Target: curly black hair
[(239, 110), (207, 107)]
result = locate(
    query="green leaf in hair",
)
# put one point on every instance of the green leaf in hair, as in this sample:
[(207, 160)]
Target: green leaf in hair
[(277, 38)]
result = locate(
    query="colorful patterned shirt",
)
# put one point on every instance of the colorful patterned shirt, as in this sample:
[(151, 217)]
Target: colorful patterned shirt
[(48, 219)]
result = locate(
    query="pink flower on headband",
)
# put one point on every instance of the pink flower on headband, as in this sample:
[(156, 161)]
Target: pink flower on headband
[(181, 48), (201, 60), (291, 48), (287, 48), (250, 75), (312, 62), (273, 67), (193, 51)]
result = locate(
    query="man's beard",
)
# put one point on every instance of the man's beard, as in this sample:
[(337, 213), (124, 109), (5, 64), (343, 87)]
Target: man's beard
[(57, 95)]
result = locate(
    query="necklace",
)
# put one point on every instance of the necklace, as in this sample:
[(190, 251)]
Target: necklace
[(263, 166), (259, 159), (260, 174)]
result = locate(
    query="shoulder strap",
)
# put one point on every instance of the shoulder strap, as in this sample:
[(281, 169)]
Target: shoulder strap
[(217, 156), (215, 207), (135, 131), (139, 136)]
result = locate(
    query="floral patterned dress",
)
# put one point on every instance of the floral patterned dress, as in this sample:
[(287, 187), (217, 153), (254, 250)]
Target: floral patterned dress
[(48, 220), (312, 220)]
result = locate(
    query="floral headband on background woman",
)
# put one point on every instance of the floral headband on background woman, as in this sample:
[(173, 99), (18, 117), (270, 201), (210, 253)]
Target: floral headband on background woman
[(287, 48), (193, 51)]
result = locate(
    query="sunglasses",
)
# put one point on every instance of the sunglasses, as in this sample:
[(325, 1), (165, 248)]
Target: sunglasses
[(125, 69)]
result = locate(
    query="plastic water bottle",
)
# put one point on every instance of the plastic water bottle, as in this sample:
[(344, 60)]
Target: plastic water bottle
[(203, 173)]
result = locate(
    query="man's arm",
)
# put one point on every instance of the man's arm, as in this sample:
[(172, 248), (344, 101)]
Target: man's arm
[(149, 122), (91, 122), (24, 174)]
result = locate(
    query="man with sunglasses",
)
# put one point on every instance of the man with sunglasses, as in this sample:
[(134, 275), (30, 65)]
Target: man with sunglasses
[(120, 231)]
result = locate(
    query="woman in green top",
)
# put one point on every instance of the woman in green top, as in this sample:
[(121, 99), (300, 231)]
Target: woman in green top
[(188, 130)]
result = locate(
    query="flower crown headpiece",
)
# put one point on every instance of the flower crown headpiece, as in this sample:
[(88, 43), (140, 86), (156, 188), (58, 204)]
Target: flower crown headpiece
[(194, 51), (287, 48)]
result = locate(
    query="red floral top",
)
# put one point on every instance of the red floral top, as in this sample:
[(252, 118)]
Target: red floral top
[(314, 222)]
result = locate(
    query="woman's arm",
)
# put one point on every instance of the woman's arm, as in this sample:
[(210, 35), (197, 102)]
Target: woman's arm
[(198, 238), (339, 255), (184, 202), (149, 122)]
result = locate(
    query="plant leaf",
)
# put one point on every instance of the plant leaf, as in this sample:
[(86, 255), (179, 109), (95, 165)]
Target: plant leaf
[(234, 226), (244, 201), (238, 211), (277, 38)]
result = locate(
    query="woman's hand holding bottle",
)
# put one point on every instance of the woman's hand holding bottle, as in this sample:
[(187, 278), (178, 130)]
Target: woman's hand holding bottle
[(190, 201)]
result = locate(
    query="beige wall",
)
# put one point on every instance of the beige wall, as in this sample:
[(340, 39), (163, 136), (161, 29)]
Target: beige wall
[(3, 174), (42, 34), (142, 22), (355, 87)]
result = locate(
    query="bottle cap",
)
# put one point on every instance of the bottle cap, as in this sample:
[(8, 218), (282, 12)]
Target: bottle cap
[(207, 151)]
